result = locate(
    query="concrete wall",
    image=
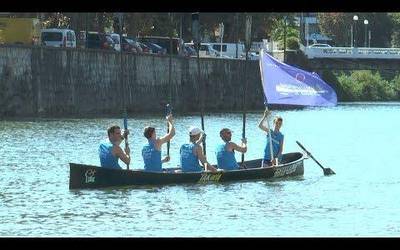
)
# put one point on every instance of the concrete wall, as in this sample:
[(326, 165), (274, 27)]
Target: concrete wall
[(36, 81)]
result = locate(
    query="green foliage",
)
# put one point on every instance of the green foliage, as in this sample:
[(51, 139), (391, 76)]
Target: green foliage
[(292, 43), (396, 87), (338, 27), (364, 85), (278, 31), (395, 38)]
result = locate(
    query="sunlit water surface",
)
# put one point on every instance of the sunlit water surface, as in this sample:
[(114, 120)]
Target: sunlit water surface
[(360, 142)]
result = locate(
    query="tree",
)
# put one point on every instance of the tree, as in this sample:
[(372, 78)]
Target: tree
[(338, 26), (278, 24), (395, 37)]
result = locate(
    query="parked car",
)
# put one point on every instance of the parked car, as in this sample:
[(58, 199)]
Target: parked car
[(189, 50), (117, 41), (130, 45), (254, 55), (319, 45), (96, 40), (229, 49), (58, 38), (164, 42), (206, 50), (156, 49), (145, 48)]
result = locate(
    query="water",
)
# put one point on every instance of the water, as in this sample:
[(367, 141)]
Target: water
[(359, 142)]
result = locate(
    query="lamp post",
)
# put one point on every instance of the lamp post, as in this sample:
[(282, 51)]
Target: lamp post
[(221, 35), (355, 18), (365, 37), (369, 39)]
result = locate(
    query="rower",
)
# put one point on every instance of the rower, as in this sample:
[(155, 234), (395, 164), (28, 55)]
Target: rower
[(192, 152), (151, 152), (226, 152), (110, 152), (277, 140)]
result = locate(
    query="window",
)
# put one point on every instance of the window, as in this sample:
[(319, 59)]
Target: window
[(52, 36), (115, 39), (204, 47), (109, 39), (217, 47), (69, 36), (95, 37)]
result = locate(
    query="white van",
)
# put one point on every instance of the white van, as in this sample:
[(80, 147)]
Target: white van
[(229, 49), (206, 50), (58, 38)]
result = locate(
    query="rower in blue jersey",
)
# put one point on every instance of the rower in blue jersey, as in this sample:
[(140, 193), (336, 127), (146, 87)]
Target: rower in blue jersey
[(151, 152), (192, 152), (110, 152), (277, 141), (225, 152)]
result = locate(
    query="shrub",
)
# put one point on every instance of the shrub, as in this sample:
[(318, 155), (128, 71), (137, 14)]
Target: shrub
[(364, 85), (292, 43)]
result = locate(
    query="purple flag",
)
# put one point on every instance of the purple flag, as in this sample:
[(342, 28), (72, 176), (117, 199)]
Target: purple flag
[(285, 84)]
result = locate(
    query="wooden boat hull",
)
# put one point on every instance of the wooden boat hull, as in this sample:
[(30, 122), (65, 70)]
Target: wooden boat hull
[(86, 176)]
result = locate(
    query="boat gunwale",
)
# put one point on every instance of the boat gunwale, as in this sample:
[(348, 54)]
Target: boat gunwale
[(170, 171)]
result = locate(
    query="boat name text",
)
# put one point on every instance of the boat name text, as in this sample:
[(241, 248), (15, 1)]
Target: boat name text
[(207, 177), (286, 170), (89, 174)]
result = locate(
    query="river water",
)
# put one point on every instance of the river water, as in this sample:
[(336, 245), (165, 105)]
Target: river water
[(359, 141)]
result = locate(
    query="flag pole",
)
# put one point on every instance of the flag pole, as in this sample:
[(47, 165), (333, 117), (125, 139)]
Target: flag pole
[(266, 106)]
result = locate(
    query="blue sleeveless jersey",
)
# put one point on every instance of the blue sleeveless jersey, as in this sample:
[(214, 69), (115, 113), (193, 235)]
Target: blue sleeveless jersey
[(107, 160), (189, 161), (151, 157), (225, 159), (277, 140)]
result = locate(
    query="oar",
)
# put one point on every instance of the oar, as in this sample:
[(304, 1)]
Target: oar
[(327, 171), (244, 103), (126, 127), (202, 128), (168, 110), (244, 106)]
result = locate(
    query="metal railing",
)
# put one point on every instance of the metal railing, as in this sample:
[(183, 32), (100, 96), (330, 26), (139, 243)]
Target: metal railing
[(351, 53)]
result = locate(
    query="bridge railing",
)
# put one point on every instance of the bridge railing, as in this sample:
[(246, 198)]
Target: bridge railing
[(351, 53)]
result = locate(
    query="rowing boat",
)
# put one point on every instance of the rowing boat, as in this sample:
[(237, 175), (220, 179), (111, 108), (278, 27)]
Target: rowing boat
[(87, 177)]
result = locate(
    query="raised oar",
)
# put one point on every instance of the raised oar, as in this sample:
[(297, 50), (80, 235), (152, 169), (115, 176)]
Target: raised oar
[(204, 138), (168, 110), (244, 105), (327, 171), (126, 127), (269, 135)]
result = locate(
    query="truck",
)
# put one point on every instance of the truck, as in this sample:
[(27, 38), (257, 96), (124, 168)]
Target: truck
[(24, 31)]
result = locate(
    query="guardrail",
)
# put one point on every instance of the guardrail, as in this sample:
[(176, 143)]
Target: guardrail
[(351, 53)]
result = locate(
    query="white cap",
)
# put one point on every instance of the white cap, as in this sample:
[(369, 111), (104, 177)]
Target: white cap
[(194, 130)]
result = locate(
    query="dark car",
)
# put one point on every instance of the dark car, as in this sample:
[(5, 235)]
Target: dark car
[(97, 40), (130, 45), (177, 43), (157, 49), (145, 48), (189, 50)]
